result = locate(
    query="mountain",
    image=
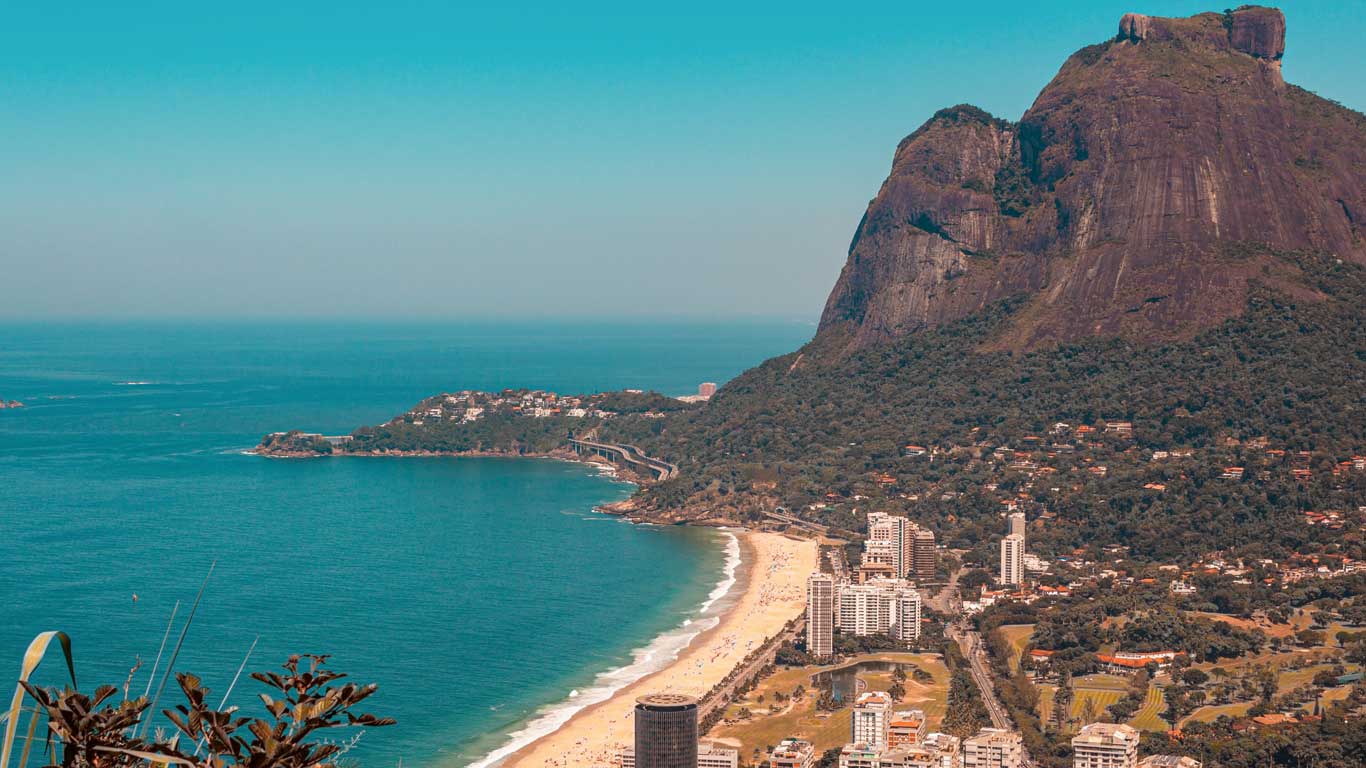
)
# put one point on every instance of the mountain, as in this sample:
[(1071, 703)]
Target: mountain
[(1137, 197), (1134, 315), (1169, 239)]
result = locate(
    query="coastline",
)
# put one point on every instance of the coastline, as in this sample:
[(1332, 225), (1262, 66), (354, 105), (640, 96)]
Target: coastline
[(766, 593)]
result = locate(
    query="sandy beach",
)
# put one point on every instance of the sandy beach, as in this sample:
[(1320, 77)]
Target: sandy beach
[(775, 569)]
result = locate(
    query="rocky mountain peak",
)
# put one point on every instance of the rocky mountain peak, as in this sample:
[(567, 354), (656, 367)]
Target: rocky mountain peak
[(1151, 180)]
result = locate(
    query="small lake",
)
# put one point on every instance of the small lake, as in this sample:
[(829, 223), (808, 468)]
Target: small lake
[(844, 681)]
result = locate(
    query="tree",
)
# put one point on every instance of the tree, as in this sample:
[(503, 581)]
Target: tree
[(1309, 637), (1267, 682), (303, 703), (1194, 677), (1088, 710), (1062, 704)]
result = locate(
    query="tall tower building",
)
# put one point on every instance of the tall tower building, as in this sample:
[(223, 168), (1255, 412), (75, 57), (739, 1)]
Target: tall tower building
[(1017, 524), (872, 718), (890, 534), (666, 731), (924, 557), (1012, 560), (820, 615), (1105, 745), (906, 625)]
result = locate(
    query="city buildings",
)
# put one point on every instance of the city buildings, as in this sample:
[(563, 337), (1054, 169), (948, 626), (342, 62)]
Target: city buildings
[(708, 756), (906, 622), (937, 750), (1012, 560), (792, 753), (711, 756), (666, 731), (906, 728), (924, 557), (894, 535), (1016, 525), (820, 615), (1105, 745), (1168, 761), (993, 748), (897, 541), (860, 755), (872, 718), (941, 751), (879, 607)]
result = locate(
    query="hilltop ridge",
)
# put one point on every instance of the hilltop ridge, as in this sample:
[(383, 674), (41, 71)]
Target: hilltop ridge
[(1123, 202)]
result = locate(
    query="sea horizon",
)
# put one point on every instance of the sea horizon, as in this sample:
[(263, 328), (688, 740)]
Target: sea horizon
[(132, 440)]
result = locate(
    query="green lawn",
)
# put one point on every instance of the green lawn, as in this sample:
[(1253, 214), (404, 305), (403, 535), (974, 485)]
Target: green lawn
[(1289, 680), (1211, 713), (1149, 716), (825, 730), (1018, 636), (1102, 691)]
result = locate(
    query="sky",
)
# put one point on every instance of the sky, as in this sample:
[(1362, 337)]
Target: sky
[(429, 160)]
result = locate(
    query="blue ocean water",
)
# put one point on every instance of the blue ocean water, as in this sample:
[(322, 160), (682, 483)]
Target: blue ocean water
[(477, 592)]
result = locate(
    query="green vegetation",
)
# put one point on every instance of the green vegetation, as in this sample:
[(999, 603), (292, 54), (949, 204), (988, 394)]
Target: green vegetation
[(966, 713), (817, 426), (303, 706)]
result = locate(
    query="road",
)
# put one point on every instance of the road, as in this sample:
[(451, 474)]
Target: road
[(722, 696), (630, 455), (947, 599), (797, 521), (971, 644)]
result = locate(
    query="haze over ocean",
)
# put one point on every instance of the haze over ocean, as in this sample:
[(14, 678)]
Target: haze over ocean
[(472, 590)]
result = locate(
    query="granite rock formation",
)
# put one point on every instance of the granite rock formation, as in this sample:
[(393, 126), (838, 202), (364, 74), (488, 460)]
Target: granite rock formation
[(1152, 179)]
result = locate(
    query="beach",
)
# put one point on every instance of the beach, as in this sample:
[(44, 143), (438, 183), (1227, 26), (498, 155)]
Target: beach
[(773, 579)]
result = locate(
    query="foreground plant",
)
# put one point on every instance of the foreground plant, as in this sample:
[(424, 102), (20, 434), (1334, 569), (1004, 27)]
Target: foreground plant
[(95, 733)]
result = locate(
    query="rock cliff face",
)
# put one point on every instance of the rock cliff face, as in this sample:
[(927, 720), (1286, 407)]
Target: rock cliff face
[(1147, 185)]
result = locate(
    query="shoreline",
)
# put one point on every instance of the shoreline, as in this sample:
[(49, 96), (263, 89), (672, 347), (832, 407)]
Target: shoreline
[(768, 591)]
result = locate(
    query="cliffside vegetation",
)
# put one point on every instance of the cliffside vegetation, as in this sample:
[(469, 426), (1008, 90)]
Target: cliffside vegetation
[(823, 433)]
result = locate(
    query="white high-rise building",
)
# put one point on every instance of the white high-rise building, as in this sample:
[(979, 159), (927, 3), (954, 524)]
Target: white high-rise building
[(906, 624), (820, 615), (993, 748), (866, 609), (882, 552), (899, 535), (877, 607), (1105, 745), (872, 717), (1012, 560), (1017, 524)]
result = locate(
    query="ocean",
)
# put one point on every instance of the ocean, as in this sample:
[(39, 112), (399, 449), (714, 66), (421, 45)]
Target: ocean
[(484, 595)]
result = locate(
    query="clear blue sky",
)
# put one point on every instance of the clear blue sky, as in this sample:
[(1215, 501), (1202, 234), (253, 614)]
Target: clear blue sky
[(425, 159)]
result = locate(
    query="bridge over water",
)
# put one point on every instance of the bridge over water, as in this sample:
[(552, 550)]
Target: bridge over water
[(628, 456)]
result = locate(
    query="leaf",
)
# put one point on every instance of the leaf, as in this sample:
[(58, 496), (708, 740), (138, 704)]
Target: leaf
[(37, 650), (155, 757)]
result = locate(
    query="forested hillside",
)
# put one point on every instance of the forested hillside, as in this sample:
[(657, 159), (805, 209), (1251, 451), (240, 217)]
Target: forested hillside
[(815, 430)]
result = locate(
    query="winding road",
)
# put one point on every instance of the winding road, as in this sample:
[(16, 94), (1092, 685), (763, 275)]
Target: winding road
[(629, 455)]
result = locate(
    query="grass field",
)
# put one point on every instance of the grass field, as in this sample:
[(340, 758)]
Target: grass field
[(1289, 680), (1018, 636), (1102, 691), (825, 730), (1149, 716), (1210, 714)]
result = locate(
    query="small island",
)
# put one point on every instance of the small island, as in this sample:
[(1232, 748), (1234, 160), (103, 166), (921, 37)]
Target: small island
[(10, 404), (513, 422)]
